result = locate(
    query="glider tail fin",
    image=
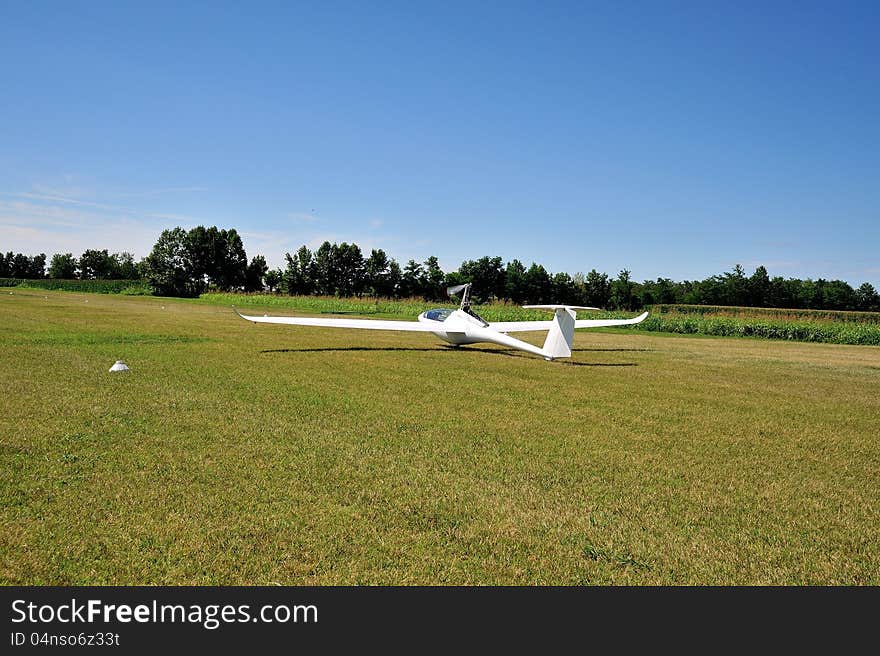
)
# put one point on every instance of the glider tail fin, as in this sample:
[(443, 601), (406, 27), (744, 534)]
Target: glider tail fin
[(561, 334)]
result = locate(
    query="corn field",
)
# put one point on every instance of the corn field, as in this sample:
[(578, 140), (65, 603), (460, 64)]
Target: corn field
[(126, 287)]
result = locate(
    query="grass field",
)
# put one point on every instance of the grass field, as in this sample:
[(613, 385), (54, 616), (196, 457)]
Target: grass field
[(235, 453)]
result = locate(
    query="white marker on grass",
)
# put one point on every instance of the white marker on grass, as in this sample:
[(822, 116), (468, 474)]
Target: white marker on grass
[(119, 365)]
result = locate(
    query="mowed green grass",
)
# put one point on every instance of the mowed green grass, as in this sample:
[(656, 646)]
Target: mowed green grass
[(235, 453)]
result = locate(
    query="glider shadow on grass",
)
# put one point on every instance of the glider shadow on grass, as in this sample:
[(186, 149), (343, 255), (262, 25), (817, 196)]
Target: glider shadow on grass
[(613, 350), (513, 353)]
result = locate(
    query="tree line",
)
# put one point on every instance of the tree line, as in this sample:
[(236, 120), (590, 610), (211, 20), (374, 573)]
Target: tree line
[(181, 263), (91, 265), (187, 263)]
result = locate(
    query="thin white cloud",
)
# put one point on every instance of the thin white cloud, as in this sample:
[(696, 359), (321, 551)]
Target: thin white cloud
[(301, 217), (30, 213), (771, 265), (47, 224), (45, 204), (131, 237), (271, 245), (366, 244), (65, 218), (68, 189), (185, 219), (149, 193), (66, 200)]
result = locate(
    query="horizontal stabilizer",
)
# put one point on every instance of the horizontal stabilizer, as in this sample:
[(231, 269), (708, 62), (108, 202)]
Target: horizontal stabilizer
[(526, 326)]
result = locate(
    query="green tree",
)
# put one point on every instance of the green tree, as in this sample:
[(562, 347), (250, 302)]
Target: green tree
[(598, 289), (300, 274), (326, 271), (395, 276), (231, 264), (37, 266), (662, 290), (564, 290), (487, 276), (780, 293), (96, 265), (169, 269), (349, 261), (711, 291), (838, 295), (621, 292), (217, 257), (538, 285), (759, 288), (201, 247), (124, 267), (515, 282), (867, 298), (63, 266), (273, 279), (411, 280), (810, 294), (736, 287), (290, 276), (256, 272), (376, 273), (433, 288), (21, 266)]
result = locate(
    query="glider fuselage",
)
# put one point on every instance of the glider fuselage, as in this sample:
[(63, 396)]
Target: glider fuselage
[(454, 326)]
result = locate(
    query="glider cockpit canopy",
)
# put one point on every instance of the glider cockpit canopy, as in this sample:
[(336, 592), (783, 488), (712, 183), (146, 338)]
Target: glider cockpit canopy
[(440, 314)]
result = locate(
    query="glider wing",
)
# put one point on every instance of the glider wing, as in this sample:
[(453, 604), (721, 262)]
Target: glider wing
[(363, 324), (605, 323)]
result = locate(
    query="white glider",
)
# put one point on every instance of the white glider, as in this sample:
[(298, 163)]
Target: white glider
[(464, 326)]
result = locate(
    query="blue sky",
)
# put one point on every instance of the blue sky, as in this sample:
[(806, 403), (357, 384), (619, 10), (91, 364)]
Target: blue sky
[(672, 139)]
